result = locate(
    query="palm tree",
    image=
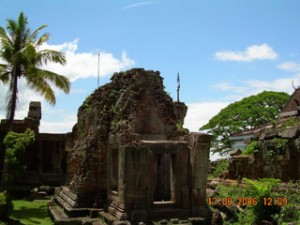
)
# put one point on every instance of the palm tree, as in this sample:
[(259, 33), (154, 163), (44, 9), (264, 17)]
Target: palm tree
[(21, 51)]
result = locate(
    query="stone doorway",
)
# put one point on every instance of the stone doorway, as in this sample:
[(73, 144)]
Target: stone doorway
[(164, 182), (114, 170)]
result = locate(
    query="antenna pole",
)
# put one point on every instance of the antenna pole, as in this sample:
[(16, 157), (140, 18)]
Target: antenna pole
[(98, 72), (178, 86)]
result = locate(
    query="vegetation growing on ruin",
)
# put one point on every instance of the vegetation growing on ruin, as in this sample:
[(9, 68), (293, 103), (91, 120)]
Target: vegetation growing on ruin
[(220, 167), (279, 145), (251, 148), (117, 99), (256, 200), (86, 104)]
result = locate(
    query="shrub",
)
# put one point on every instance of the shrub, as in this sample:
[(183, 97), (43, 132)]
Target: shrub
[(291, 211), (263, 189), (15, 145), (220, 168), (6, 206)]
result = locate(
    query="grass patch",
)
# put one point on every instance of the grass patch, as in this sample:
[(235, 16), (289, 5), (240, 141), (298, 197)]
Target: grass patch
[(31, 212)]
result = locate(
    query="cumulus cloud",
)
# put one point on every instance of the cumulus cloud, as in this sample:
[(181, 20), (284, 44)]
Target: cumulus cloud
[(48, 126), (200, 113), (79, 65), (84, 65), (51, 117), (254, 52), (25, 96), (226, 86), (282, 84), (290, 66), (138, 4), (253, 87)]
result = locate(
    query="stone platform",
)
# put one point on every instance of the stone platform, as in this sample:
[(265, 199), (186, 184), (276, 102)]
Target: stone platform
[(104, 218), (59, 217)]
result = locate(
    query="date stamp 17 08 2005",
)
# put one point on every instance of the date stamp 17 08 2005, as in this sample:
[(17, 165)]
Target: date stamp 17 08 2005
[(241, 201)]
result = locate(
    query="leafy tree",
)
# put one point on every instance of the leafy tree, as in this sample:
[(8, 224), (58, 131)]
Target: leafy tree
[(21, 51), (248, 113), (15, 144)]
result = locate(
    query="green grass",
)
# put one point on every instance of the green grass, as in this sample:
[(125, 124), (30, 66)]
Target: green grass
[(31, 212)]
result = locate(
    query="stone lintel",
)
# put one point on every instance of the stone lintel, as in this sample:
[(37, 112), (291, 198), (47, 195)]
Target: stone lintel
[(162, 142)]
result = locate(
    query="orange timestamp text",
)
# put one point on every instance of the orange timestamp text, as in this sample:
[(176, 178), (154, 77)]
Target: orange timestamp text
[(247, 201)]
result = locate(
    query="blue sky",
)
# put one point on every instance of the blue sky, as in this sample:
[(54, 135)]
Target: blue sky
[(224, 50)]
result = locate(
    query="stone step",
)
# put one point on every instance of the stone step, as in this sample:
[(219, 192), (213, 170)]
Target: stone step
[(169, 212), (74, 212), (65, 198), (107, 218), (68, 202), (61, 218)]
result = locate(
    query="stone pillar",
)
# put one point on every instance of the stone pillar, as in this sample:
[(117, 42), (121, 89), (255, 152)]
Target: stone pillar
[(129, 202), (136, 189), (200, 147), (34, 115), (180, 110)]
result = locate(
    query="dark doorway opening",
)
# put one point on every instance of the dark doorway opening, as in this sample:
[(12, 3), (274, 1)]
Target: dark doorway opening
[(164, 179)]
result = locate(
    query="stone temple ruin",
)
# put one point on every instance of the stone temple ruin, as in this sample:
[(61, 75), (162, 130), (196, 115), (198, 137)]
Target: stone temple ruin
[(277, 152), (129, 159)]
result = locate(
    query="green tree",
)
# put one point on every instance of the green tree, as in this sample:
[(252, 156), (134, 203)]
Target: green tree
[(15, 144), (248, 113), (21, 51)]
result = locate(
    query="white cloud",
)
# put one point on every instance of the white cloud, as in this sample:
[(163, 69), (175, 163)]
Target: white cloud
[(292, 67), (83, 65), (79, 65), (53, 120), (76, 91), (254, 52), (200, 113), (25, 96), (138, 4), (63, 125), (282, 84), (253, 87), (226, 86)]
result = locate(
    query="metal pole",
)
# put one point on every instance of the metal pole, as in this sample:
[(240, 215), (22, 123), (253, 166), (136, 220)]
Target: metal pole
[(178, 87), (98, 73)]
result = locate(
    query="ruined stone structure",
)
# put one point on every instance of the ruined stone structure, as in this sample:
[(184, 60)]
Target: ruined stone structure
[(131, 157), (278, 147), (45, 160)]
